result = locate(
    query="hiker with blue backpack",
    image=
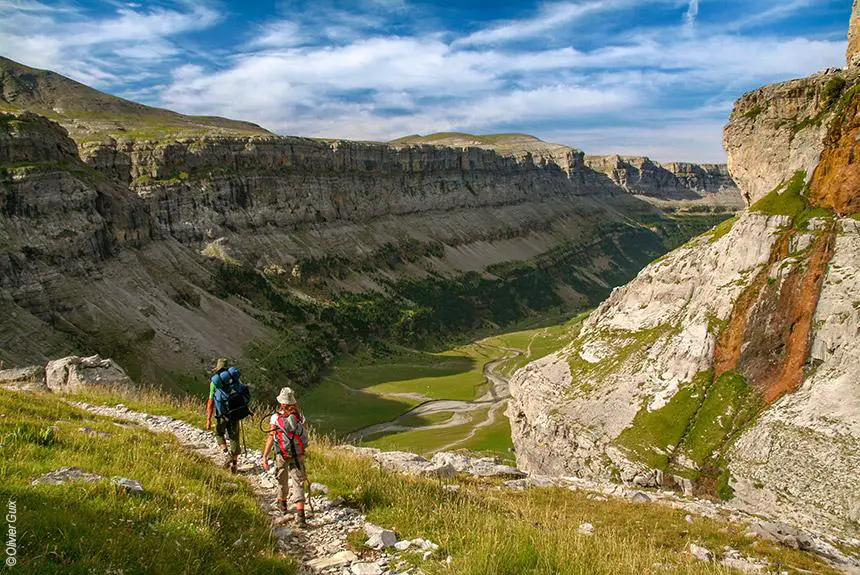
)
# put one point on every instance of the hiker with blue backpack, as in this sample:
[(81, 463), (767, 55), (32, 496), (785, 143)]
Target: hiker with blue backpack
[(230, 400), (288, 436)]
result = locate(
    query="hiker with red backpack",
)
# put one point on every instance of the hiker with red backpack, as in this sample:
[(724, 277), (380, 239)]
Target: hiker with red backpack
[(230, 400), (288, 436)]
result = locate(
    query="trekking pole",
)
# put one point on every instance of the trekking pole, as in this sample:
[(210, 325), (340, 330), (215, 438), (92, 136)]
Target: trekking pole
[(244, 435)]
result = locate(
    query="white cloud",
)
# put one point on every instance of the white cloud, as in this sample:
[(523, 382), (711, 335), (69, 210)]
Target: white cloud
[(95, 50), (325, 71), (550, 16), (281, 34), (690, 17)]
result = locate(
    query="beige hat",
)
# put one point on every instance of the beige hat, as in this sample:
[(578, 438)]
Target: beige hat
[(221, 364), (286, 397)]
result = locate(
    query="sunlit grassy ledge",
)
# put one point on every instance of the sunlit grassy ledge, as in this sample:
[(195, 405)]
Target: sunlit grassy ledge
[(186, 520), (487, 529)]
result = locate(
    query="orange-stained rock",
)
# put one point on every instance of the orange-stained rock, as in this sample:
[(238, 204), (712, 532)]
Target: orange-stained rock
[(836, 181)]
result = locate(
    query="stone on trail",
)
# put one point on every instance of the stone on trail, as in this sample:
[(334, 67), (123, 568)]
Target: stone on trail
[(128, 485), (379, 537), (366, 569), (337, 560), (319, 488), (701, 553), (65, 474), (586, 529), (403, 545)]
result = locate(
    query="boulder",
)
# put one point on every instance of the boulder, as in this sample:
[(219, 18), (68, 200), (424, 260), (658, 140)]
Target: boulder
[(640, 497), (412, 464), (782, 534), (480, 467), (74, 373), (30, 378)]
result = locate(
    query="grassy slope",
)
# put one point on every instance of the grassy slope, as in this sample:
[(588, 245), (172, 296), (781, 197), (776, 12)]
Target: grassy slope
[(532, 533), (186, 520), (490, 531)]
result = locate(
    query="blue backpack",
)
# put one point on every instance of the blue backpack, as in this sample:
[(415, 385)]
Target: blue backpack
[(232, 397)]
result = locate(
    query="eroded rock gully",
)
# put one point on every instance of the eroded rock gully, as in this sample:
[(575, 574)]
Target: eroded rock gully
[(769, 334)]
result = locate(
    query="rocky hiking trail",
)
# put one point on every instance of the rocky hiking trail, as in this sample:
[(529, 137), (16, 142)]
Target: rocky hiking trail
[(323, 548), (494, 398), (320, 549)]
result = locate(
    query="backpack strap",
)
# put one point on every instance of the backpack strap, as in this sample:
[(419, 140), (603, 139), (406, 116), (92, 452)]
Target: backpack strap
[(292, 436)]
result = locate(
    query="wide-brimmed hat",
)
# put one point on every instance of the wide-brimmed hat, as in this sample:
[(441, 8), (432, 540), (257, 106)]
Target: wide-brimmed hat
[(287, 397), (220, 364)]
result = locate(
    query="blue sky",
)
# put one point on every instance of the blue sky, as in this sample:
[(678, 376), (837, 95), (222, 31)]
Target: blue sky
[(644, 77)]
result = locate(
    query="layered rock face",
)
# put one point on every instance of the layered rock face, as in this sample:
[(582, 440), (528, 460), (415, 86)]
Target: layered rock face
[(705, 183), (115, 250), (80, 268), (732, 361)]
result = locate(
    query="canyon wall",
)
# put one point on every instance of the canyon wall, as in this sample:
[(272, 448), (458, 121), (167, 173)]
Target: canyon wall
[(118, 246), (728, 367)]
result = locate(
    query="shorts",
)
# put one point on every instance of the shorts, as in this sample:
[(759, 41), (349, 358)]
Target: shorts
[(291, 477), (231, 430)]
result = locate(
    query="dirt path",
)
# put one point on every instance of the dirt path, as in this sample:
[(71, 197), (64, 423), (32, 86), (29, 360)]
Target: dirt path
[(328, 526), (495, 397)]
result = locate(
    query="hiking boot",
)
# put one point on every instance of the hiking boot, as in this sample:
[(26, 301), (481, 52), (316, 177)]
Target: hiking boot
[(301, 519), (228, 461), (283, 507), (233, 465)]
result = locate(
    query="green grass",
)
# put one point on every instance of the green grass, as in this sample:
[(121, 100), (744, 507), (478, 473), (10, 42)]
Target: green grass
[(536, 342), (722, 229), (534, 532), (789, 199), (186, 521), (425, 420), (426, 441), (627, 346), (786, 199), (494, 439), (332, 409), (456, 374), (650, 435), (728, 406)]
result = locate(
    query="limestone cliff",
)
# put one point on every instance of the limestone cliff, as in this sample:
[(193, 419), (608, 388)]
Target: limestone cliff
[(854, 37), (163, 240), (729, 366), (688, 184), (675, 184)]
